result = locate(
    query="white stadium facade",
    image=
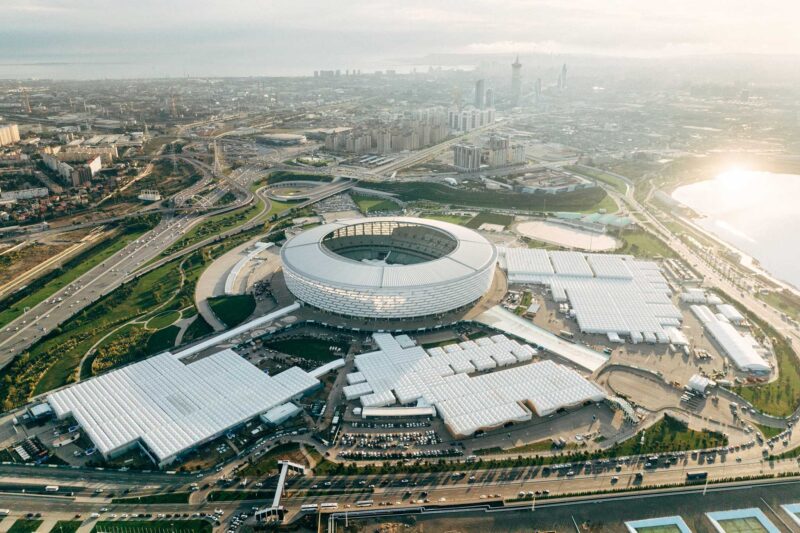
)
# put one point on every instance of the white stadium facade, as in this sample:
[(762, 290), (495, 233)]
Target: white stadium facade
[(389, 267)]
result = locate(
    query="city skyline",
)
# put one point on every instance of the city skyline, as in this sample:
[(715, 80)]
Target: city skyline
[(52, 38)]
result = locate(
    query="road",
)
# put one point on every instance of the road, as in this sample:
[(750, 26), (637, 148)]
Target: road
[(713, 278)]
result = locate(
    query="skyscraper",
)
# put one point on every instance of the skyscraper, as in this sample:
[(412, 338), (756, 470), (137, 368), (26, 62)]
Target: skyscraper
[(537, 89), (562, 78), (516, 82), (489, 99), (480, 94)]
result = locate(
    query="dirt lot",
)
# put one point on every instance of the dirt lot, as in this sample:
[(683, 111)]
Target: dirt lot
[(32, 253)]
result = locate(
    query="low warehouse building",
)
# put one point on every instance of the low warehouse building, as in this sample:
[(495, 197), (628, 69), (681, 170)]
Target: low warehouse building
[(169, 407), (439, 378)]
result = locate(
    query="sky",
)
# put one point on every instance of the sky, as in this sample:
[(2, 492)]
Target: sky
[(86, 38)]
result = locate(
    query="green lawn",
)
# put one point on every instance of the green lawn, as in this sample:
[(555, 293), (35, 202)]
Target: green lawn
[(668, 435), (309, 348), (233, 310), (453, 219), (533, 447), (268, 462), (785, 302), (170, 497), (640, 243), (781, 397), (66, 526), (197, 329), (163, 320), (52, 362), (162, 340), (285, 175), (580, 200), (767, 431), (486, 217), (599, 175), (215, 225), (239, 495), (36, 293), (23, 525), (152, 526), (607, 204), (374, 204)]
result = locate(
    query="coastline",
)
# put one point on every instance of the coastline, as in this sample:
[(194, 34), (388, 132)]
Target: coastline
[(747, 261)]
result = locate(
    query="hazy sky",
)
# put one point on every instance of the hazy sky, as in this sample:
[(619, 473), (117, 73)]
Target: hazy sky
[(203, 37)]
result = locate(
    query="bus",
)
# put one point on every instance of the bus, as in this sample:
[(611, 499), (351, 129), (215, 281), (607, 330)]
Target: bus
[(51, 488), (696, 476), (568, 335), (329, 505), (5, 512), (364, 503), (308, 507)]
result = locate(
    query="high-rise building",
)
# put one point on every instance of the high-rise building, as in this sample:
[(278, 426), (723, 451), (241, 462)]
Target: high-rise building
[(562, 78), (516, 82), (489, 99), (480, 90), (467, 157), (9, 134), (537, 89)]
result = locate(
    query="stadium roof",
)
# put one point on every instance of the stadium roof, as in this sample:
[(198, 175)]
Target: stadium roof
[(172, 406), (306, 255)]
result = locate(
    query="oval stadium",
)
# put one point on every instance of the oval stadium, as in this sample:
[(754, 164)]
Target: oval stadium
[(388, 267)]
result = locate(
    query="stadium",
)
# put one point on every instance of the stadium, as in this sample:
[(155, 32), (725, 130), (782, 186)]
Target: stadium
[(389, 267)]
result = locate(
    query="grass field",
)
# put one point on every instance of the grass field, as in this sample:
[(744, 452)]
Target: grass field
[(667, 528), (453, 219), (374, 204), (533, 447), (643, 244), (767, 431), (781, 397), (268, 462), (308, 348), (233, 310), (618, 184), (747, 524), (66, 526), (71, 271), (23, 525), (580, 200), (783, 301), (163, 320), (153, 526), (284, 175), (170, 497), (197, 329), (215, 225), (52, 362), (486, 217), (668, 435)]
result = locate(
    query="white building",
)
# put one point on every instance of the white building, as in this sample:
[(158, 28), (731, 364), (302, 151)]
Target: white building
[(9, 134), (448, 378), (168, 407), (388, 267)]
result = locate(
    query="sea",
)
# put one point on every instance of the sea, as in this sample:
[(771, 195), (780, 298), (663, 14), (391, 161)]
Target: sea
[(756, 212)]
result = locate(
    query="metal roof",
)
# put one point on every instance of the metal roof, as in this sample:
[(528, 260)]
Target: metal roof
[(306, 255)]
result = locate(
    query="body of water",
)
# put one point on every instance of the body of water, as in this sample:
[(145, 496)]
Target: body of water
[(757, 212)]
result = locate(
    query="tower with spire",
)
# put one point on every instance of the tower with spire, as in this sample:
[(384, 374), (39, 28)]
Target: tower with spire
[(516, 82)]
